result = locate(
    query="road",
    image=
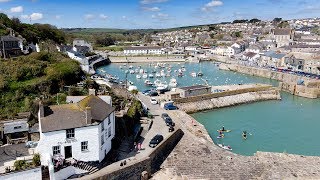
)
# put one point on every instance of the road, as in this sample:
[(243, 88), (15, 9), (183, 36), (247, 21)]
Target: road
[(158, 127)]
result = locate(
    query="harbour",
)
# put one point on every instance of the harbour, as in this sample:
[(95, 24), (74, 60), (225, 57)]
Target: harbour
[(271, 123)]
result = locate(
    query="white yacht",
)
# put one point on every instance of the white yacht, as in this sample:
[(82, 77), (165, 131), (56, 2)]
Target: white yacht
[(138, 76), (145, 76), (158, 74), (173, 83), (151, 76), (193, 74)]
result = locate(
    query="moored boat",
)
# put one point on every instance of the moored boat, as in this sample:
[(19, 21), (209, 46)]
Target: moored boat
[(138, 76), (173, 83)]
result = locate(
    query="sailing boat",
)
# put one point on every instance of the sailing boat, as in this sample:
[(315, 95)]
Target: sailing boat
[(200, 72)]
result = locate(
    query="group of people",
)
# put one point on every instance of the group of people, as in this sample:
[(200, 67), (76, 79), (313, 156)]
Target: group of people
[(221, 135)]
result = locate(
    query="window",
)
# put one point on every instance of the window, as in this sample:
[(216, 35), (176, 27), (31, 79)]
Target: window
[(70, 133), (56, 150), (17, 127), (102, 126), (84, 146), (102, 140), (109, 132), (109, 120)]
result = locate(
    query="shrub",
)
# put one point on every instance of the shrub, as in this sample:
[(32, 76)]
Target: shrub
[(36, 160), (20, 165)]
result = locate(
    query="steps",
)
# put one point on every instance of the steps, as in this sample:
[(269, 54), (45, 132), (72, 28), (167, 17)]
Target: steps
[(91, 167)]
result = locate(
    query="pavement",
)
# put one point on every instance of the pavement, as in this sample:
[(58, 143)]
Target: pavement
[(158, 127)]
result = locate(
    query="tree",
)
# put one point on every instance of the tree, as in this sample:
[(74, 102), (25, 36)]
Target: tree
[(254, 20), (277, 20), (106, 41), (240, 21), (36, 160), (283, 24)]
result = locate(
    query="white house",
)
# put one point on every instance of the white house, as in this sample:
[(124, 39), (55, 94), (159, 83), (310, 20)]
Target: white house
[(81, 42), (143, 50), (224, 51), (81, 130)]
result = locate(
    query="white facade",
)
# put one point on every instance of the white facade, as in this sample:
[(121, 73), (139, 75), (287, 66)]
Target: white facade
[(224, 51), (92, 134), (143, 50)]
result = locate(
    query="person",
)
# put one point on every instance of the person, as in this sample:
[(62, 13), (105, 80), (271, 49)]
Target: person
[(220, 133), (222, 128), (244, 134)]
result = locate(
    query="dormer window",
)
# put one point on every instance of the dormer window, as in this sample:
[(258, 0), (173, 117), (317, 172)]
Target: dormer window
[(17, 127), (70, 133)]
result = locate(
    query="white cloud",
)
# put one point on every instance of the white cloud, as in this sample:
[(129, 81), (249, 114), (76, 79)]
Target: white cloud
[(211, 4), (152, 1), (17, 9), (124, 17), (153, 9), (160, 16), (89, 17), (58, 16), (33, 16), (104, 17), (4, 1), (36, 16)]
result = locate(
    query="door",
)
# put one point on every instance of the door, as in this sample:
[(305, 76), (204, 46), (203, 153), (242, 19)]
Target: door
[(67, 152)]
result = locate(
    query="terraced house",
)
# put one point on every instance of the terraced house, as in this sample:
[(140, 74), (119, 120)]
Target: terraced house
[(81, 130)]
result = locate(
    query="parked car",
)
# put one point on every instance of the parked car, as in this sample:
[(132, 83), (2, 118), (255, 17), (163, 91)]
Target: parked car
[(153, 93), (153, 101), (164, 115), (168, 121), (155, 140), (171, 128), (146, 91), (170, 107)]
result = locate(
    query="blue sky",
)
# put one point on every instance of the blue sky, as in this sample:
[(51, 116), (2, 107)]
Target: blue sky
[(132, 14)]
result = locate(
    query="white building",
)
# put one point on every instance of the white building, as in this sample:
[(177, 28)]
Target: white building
[(81, 130), (81, 42), (224, 51), (143, 50)]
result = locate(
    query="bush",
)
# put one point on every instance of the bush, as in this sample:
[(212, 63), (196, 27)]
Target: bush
[(36, 160), (20, 165)]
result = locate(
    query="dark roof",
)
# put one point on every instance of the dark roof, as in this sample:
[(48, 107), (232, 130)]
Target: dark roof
[(250, 54), (11, 152), (68, 116), (304, 46), (16, 126), (9, 38), (142, 47), (196, 87), (282, 31)]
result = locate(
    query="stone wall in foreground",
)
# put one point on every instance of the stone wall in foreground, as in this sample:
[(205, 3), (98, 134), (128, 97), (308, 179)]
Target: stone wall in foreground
[(226, 101)]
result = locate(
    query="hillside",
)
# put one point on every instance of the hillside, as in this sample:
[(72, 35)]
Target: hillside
[(28, 78)]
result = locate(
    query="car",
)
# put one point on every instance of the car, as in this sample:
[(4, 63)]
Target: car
[(153, 93), (155, 140), (168, 121), (170, 107), (164, 116), (146, 91), (171, 128), (153, 101)]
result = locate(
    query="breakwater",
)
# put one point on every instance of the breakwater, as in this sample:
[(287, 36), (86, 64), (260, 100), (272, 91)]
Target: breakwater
[(231, 96), (310, 88)]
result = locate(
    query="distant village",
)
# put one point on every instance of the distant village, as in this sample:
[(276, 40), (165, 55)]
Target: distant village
[(75, 138)]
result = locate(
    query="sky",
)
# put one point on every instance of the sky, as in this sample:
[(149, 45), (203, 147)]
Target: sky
[(144, 14)]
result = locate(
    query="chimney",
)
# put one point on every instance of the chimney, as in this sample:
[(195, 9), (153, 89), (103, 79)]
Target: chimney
[(92, 92), (88, 115), (41, 109)]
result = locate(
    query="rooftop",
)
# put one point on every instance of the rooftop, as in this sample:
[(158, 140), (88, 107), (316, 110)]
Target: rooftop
[(9, 38), (76, 115), (194, 87), (142, 48), (282, 31)]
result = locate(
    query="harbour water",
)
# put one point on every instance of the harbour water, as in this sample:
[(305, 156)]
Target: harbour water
[(290, 125)]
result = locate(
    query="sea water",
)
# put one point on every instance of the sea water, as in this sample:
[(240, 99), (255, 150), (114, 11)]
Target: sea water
[(290, 125)]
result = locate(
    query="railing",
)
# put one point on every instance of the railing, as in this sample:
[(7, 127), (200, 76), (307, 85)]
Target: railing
[(17, 140)]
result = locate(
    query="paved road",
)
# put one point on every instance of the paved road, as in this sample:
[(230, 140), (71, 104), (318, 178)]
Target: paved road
[(158, 127)]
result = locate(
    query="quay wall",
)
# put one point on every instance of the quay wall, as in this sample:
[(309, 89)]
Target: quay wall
[(310, 89), (146, 59), (222, 94), (231, 100), (134, 168)]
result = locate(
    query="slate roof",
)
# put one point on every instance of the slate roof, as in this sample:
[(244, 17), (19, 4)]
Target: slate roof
[(68, 116), (9, 38), (273, 54), (282, 31), (250, 54), (16, 126), (196, 87)]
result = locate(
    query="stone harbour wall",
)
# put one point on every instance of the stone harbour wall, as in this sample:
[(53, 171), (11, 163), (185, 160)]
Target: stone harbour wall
[(310, 89), (134, 168), (146, 59), (232, 100)]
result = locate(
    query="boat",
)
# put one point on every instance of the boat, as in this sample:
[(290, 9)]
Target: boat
[(224, 130), (131, 88), (136, 70), (183, 69), (193, 74), (168, 75), (225, 147), (220, 136), (180, 74), (157, 82), (120, 67), (141, 71), (138, 76), (200, 72), (131, 71), (162, 74), (130, 67), (162, 87), (126, 71), (148, 82), (158, 75), (130, 82), (173, 83), (145, 76), (151, 76)]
